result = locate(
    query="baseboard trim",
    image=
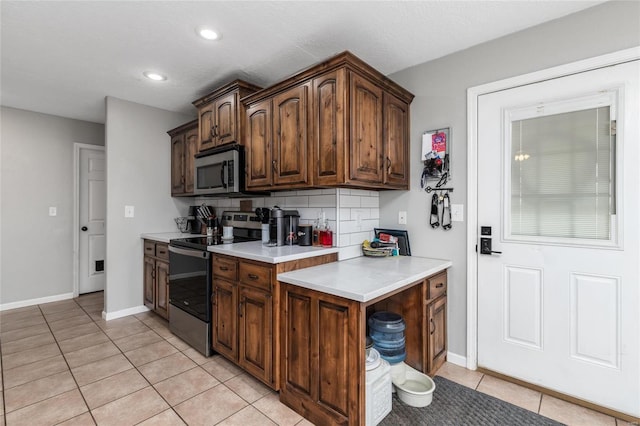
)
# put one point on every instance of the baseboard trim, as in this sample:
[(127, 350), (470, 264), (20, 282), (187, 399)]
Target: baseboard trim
[(108, 316), (457, 359), (38, 301)]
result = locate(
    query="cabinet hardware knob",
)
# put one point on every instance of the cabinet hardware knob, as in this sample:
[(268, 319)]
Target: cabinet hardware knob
[(433, 326), (388, 163), (224, 268), (439, 285), (253, 276), (273, 164)]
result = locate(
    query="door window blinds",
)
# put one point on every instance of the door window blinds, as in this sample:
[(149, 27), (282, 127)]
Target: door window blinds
[(562, 175)]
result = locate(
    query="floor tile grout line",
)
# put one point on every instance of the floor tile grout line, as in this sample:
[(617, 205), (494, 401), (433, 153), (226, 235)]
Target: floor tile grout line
[(70, 372), (45, 399), (144, 377), (540, 402), (479, 381), (172, 407), (136, 367)]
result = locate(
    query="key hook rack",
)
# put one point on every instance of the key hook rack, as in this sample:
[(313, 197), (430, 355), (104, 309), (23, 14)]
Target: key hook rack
[(439, 185), (430, 189)]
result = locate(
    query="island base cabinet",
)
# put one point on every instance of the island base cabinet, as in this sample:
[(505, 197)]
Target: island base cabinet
[(321, 350), (435, 350), (437, 323)]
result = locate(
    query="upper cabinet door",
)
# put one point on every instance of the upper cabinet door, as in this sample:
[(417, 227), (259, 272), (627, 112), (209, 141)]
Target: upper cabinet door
[(190, 149), (290, 125), (328, 112), (396, 142), (225, 123), (258, 143), (366, 130), (207, 131), (177, 164)]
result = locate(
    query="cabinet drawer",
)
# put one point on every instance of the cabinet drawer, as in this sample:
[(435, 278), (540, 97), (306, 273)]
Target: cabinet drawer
[(255, 275), (162, 251), (225, 268), (149, 248), (437, 285)]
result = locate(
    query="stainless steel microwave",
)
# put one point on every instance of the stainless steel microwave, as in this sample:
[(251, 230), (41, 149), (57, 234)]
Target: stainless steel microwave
[(219, 172)]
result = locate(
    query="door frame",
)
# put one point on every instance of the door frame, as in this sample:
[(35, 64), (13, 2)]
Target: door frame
[(473, 94), (76, 211)]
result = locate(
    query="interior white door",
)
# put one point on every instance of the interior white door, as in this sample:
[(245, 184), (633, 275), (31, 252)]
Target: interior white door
[(92, 204), (558, 184)]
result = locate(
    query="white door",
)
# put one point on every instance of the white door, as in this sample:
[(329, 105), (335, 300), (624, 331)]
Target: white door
[(92, 204), (558, 167)]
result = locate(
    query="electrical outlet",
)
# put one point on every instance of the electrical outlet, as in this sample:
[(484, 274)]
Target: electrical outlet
[(359, 220), (402, 217), (128, 211), (53, 211)]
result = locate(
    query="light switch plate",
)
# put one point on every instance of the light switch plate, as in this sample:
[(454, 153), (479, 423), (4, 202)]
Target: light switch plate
[(457, 212), (128, 211), (53, 211)]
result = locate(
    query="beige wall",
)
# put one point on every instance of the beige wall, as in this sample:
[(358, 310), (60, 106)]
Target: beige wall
[(36, 172), (440, 87), (138, 152)]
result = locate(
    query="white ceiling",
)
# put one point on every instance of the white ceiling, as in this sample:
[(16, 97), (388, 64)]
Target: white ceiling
[(63, 58)]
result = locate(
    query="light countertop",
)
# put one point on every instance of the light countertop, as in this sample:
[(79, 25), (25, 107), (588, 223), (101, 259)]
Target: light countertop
[(365, 278), (252, 250), (164, 237), (255, 250)]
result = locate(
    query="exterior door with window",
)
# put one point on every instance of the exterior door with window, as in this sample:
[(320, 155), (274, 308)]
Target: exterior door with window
[(558, 190)]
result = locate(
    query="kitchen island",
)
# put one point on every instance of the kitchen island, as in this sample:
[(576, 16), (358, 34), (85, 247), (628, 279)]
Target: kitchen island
[(323, 318)]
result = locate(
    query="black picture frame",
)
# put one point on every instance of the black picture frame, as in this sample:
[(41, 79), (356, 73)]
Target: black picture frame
[(403, 239)]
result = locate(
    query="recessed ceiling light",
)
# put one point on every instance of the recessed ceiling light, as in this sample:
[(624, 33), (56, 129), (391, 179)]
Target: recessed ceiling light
[(154, 76), (207, 33)]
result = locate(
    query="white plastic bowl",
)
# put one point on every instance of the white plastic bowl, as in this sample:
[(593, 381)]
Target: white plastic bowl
[(417, 389)]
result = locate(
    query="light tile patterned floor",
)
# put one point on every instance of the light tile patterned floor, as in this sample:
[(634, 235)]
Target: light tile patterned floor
[(62, 364)]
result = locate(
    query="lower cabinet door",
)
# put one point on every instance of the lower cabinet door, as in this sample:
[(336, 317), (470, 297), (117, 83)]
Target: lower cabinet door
[(437, 323), (162, 289), (225, 317), (321, 362), (255, 332), (149, 282)]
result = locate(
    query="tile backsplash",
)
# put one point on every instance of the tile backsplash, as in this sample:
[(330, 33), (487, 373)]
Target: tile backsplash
[(352, 213)]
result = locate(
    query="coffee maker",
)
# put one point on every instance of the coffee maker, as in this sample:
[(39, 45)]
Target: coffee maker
[(283, 227), (194, 224)]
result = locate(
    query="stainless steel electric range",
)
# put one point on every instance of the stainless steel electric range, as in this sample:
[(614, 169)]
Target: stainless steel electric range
[(190, 279)]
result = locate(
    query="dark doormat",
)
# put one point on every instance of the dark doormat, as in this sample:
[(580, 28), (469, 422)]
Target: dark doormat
[(454, 404)]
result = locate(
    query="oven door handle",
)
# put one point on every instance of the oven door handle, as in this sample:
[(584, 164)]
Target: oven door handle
[(192, 253)]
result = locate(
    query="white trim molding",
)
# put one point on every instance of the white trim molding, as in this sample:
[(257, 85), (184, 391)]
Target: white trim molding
[(457, 359), (108, 316), (37, 301), (473, 93)]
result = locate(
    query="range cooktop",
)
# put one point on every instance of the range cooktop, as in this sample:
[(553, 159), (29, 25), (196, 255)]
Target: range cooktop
[(203, 242)]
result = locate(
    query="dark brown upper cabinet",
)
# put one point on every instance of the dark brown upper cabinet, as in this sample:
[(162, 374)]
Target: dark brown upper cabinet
[(221, 115), (339, 123)]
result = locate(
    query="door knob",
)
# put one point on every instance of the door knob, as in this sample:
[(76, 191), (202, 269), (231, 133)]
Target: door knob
[(84, 228), (485, 246)]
